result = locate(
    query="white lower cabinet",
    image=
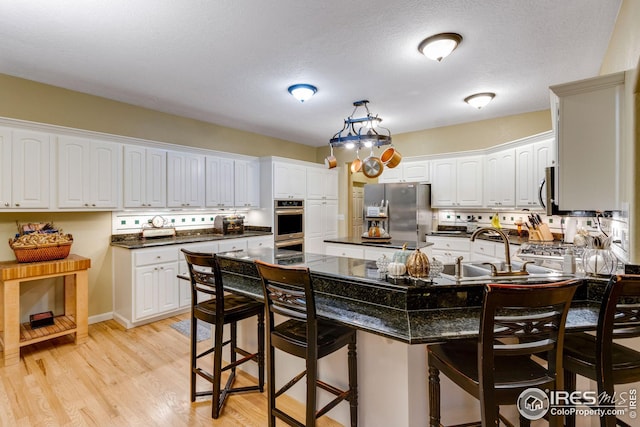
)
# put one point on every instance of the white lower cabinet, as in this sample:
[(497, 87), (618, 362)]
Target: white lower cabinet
[(339, 249), (146, 284), (260, 242), (448, 249), (320, 223)]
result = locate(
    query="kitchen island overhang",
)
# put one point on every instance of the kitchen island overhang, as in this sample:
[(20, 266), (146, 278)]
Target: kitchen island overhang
[(352, 292)]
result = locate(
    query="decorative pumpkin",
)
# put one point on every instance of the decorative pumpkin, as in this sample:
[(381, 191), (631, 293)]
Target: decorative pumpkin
[(402, 255), (418, 264), (374, 231), (396, 269)]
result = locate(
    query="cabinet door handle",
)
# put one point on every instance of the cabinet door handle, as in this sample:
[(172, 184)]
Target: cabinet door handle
[(17, 204)]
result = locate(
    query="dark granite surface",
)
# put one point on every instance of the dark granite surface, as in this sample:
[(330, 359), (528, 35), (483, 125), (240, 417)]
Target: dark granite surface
[(350, 291), (135, 241), (393, 244)]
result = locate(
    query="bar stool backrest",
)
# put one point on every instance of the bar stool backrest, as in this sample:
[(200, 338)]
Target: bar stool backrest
[(205, 277), (519, 320), (288, 291), (619, 318)]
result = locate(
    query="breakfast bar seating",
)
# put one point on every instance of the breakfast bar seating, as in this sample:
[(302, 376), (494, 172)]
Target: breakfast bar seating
[(600, 358), (289, 293), (518, 322), (220, 310)]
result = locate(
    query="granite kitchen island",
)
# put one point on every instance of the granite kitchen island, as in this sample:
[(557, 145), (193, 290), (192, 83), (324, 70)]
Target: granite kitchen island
[(393, 318)]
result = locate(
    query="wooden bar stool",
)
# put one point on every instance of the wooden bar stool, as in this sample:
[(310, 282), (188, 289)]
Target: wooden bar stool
[(600, 358), (219, 310), (518, 321), (288, 292)]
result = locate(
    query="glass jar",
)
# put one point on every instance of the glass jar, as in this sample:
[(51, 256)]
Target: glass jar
[(382, 263), (599, 262), (436, 267)]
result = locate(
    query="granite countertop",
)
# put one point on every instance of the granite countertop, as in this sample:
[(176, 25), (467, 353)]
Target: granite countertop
[(135, 241), (352, 292), (392, 244)]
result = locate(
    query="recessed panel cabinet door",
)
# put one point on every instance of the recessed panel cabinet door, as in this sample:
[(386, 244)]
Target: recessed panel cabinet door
[(168, 289), (5, 168), (219, 185), (31, 179), (145, 292), (88, 173)]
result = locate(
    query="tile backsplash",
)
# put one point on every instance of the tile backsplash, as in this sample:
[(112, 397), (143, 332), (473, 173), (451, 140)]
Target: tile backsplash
[(132, 222), (617, 226)]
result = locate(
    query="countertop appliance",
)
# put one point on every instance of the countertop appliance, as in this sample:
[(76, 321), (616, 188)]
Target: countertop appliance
[(409, 208), (229, 224)]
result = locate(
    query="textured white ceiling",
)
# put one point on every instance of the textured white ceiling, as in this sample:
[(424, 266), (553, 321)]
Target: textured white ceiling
[(230, 61)]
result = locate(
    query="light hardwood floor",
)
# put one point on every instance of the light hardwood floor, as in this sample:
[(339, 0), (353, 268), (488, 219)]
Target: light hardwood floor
[(136, 377)]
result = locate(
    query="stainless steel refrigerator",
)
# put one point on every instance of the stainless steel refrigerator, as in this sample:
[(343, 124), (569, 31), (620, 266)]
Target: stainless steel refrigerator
[(409, 213)]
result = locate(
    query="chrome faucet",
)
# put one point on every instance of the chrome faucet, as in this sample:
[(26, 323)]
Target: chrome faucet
[(458, 268), (507, 253)]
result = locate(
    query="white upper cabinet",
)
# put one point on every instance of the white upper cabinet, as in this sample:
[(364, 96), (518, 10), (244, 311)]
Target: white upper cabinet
[(5, 168), (219, 182), (594, 137), (145, 177), (185, 180), (531, 161), (457, 182), (289, 181), (406, 171), (88, 173), (322, 183), (499, 184), (247, 183), (25, 179)]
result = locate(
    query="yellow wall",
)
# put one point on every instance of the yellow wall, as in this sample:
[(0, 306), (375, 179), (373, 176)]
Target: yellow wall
[(91, 234), (37, 102)]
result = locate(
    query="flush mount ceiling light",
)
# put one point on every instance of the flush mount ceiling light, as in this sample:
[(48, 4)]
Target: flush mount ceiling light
[(479, 100), (361, 131), (303, 91), (439, 46)]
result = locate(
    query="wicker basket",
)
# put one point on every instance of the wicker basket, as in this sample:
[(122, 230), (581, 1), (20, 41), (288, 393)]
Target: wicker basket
[(43, 252)]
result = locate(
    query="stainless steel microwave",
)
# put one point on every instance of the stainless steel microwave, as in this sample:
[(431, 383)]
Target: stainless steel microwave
[(549, 197)]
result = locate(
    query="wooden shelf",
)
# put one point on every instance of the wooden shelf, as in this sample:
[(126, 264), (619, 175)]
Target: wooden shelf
[(62, 325)]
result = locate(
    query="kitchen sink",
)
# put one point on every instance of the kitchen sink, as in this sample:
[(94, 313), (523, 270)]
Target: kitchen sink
[(517, 266), (476, 272), (468, 270)]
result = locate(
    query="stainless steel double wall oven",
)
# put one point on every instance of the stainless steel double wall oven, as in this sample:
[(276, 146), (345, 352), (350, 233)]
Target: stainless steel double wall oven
[(289, 224)]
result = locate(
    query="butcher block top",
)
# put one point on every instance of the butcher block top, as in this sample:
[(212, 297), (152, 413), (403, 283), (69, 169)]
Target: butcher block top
[(12, 270)]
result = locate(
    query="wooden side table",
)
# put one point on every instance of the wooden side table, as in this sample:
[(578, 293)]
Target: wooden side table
[(14, 335)]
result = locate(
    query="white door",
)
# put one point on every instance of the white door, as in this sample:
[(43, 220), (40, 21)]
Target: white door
[(146, 292), (168, 287), (31, 180), (469, 181), (357, 210), (443, 184), (156, 178), (5, 168), (106, 168)]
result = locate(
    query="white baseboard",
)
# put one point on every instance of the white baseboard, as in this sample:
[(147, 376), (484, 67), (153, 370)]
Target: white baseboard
[(100, 317)]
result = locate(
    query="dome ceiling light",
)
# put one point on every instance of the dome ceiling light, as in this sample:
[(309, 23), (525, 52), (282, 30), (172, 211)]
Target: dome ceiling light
[(439, 46), (479, 100), (303, 91)]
